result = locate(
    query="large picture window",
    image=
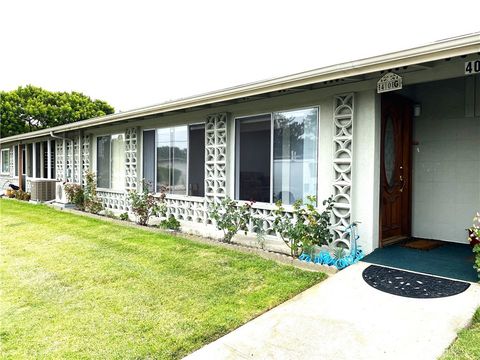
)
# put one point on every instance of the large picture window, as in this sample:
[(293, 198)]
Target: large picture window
[(111, 162), (277, 156), (174, 159), (5, 159)]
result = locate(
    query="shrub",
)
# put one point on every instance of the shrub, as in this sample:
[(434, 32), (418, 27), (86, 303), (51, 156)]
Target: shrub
[(170, 223), (230, 217), (124, 216), (75, 195), (92, 203), (145, 205), (22, 195), (110, 214), (308, 228)]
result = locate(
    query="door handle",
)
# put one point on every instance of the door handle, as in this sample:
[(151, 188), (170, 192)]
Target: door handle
[(401, 179)]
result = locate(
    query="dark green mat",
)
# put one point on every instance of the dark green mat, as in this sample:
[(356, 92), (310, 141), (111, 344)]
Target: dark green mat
[(451, 260)]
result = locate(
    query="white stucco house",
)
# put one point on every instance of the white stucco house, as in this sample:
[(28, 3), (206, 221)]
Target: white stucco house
[(395, 138)]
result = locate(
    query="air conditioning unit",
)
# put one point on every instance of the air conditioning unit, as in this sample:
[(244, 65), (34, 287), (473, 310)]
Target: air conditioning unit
[(60, 196), (42, 190)]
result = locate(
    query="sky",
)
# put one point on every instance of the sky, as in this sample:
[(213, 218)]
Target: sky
[(139, 53)]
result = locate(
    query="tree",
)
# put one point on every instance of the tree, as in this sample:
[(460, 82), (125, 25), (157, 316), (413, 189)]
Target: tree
[(32, 108)]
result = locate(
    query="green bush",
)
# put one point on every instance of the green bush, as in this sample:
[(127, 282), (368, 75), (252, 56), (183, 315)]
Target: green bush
[(307, 228), (145, 205), (91, 202), (170, 223), (123, 216), (230, 217), (75, 195), (22, 195)]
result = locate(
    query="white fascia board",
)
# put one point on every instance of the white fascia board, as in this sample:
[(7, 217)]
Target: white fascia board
[(463, 45)]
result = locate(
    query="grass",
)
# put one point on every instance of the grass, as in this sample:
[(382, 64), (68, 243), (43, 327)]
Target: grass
[(77, 287), (467, 345)]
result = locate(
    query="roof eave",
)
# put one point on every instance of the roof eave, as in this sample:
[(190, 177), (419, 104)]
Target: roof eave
[(436, 51)]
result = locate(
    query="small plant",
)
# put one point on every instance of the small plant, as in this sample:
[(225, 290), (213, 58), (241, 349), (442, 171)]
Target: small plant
[(338, 252), (75, 195), (110, 214), (123, 216), (307, 228), (474, 238), (260, 231), (145, 205), (170, 223), (230, 217), (92, 203), (22, 195), (474, 230)]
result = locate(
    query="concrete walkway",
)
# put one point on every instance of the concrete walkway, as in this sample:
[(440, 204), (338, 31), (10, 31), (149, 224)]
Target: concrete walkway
[(344, 318)]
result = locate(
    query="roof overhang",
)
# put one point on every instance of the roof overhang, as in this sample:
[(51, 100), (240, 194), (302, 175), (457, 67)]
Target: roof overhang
[(449, 48)]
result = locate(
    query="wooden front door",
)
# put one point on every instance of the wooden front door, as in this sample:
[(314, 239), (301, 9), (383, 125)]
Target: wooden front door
[(395, 173)]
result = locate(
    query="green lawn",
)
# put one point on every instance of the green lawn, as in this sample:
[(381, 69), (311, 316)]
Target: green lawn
[(76, 287), (467, 345)]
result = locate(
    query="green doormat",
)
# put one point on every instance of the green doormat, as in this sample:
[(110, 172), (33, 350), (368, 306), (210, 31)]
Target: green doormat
[(450, 260)]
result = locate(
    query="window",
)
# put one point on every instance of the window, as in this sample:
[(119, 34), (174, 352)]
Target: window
[(5, 161), (174, 159), (276, 156), (111, 161)]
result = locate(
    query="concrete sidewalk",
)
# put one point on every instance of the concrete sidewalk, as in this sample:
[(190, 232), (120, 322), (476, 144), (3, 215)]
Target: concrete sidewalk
[(344, 318)]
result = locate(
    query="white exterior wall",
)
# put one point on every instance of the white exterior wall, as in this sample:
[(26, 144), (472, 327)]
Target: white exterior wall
[(366, 169), (446, 162)]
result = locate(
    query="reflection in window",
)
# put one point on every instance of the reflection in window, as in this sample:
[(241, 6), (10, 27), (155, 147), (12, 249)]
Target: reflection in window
[(294, 158), (174, 159), (111, 161), (172, 151), (294, 155)]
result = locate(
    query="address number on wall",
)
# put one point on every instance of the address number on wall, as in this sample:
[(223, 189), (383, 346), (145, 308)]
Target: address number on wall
[(472, 67)]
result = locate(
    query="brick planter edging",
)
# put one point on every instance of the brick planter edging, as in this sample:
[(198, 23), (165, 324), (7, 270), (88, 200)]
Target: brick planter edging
[(269, 255)]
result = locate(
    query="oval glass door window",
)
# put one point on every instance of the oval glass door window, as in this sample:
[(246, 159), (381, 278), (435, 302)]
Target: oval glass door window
[(389, 151)]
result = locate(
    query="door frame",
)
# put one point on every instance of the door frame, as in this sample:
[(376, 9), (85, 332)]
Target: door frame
[(407, 165)]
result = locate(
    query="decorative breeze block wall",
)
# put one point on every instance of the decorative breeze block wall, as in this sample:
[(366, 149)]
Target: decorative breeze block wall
[(113, 201), (215, 157), (69, 160), (342, 165), (85, 156), (131, 159), (59, 163), (76, 162), (12, 163)]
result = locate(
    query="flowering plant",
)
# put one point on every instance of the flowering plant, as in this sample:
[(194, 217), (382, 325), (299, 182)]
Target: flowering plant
[(474, 230)]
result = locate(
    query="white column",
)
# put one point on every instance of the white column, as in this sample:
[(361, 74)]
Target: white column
[(49, 159), (42, 161), (34, 160), (366, 169)]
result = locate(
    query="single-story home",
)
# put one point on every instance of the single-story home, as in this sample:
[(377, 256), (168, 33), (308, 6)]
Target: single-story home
[(394, 138)]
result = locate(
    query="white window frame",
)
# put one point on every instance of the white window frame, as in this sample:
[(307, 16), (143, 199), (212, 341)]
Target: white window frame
[(8, 162), (237, 144)]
